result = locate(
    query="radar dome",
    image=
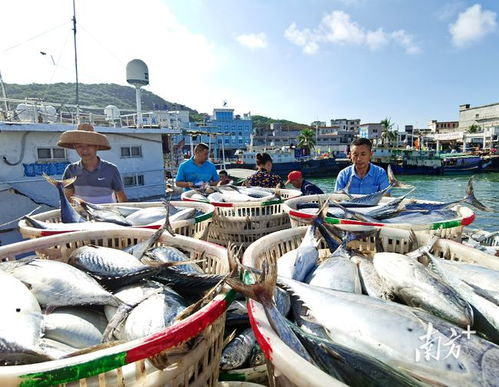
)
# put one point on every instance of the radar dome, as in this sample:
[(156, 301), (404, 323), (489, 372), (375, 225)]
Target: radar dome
[(112, 113), (137, 73)]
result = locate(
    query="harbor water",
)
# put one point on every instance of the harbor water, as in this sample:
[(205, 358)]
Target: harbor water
[(448, 188)]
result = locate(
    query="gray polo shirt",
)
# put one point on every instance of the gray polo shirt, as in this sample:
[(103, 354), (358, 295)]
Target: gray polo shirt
[(97, 186)]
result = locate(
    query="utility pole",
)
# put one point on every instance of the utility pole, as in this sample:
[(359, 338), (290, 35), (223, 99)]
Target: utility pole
[(76, 65)]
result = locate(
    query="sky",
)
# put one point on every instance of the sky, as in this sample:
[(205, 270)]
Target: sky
[(411, 61)]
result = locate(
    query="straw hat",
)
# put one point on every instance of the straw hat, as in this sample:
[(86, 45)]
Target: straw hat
[(84, 134)]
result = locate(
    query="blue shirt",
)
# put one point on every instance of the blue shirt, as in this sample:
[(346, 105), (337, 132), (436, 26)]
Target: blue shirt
[(190, 172), (375, 180), (307, 188)]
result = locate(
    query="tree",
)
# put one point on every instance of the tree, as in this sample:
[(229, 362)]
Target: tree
[(474, 128), (306, 140), (387, 134)]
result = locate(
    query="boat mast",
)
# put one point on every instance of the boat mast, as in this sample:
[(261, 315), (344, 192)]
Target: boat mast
[(76, 65)]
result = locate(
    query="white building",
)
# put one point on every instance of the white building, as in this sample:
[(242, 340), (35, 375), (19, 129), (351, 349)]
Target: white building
[(370, 130), (346, 124), (484, 116)]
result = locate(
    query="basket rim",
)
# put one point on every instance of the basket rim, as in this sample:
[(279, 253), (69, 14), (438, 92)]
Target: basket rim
[(467, 216), (186, 196), (207, 208), (71, 369)]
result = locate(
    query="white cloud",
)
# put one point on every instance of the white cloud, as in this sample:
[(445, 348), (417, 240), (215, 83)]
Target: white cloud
[(181, 63), (253, 41), (337, 27), (472, 25)]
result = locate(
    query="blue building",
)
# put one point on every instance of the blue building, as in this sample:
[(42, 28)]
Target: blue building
[(229, 132)]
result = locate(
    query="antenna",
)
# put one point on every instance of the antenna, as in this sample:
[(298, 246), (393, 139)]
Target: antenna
[(76, 65)]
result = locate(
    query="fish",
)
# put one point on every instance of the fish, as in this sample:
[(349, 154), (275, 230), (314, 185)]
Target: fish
[(102, 214), (68, 213), (371, 283), (392, 333), (111, 267), (67, 227), (76, 327), (486, 313), (172, 254), (469, 198), (21, 322), (257, 356), (152, 314), (368, 200), (147, 216), (393, 181), (55, 349), (351, 367), (120, 209), (417, 286), (307, 255), (187, 282), (238, 351), (55, 283)]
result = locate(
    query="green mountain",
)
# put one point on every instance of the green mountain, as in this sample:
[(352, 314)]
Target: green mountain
[(99, 95), (264, 122)]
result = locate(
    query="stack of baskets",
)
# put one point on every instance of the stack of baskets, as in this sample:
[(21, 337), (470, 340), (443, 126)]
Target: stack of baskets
[(126, 364), (449, 229), (196, 227), (288, 368), (246, 222)]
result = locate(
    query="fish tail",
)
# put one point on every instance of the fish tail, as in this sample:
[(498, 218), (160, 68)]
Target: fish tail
[(472, 200), (60, 183), (263, 288), (393, 181)]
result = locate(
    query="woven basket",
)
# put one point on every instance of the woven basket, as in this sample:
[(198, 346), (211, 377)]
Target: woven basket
[(125, 364), (450, 229), (245, 223), (196, 228), (288, 368)]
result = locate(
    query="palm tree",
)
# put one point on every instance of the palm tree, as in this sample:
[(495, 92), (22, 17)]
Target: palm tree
[(387, 135), (474, 128), (306, 140)]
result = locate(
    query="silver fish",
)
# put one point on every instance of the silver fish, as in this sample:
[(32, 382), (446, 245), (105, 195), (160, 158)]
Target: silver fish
[(68, 213), (66, 227), (171, 254), (307, 255), (392, 334), (56, 283), (417, 286), (238, 351), (337, 273), (100, 214), (257, 356), (76, 327), (56, 349), (372, 284), (21, 321), (146, 216)]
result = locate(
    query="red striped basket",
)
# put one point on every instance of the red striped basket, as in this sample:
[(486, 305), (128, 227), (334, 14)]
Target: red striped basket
[(126, 364)]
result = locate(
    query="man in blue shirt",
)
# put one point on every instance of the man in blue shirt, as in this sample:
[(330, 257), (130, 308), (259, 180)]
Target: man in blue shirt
[(295, 178), (366, 178), (197, 171)]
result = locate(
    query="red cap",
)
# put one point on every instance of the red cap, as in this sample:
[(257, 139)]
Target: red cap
[(294, 175)]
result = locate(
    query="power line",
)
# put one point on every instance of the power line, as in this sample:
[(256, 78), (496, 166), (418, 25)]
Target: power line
[(34, 37)]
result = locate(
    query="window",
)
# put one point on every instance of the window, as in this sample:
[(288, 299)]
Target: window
[(48, 154), (133, 180), (131, 151)]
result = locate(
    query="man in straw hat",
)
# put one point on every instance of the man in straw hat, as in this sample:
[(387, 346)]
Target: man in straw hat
[(98, 181)]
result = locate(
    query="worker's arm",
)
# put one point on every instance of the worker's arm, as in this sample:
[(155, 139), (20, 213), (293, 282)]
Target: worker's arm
[(184, 184), (121, 196)]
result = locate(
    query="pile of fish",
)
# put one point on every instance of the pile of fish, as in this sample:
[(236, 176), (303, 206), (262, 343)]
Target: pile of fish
[(100, 297), (235, 194), (485, 241), (388, 319), (368, 208), (105, 218)]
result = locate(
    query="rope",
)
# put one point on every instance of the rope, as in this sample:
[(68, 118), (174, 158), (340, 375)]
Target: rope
[(15, 220)]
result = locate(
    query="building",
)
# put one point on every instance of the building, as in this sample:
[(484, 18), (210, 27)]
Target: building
[(370, 130), (485, 116), (443, 126), (346, 124), (222, 131)]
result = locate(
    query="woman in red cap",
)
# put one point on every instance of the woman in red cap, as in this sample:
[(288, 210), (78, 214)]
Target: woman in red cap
[(295, 178)]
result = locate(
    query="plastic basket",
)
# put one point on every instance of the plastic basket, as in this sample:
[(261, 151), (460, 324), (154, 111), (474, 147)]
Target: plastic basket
[(125, 364), (288, 368), (196, 227), (244, 223), (450, 229), (255, 375)]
